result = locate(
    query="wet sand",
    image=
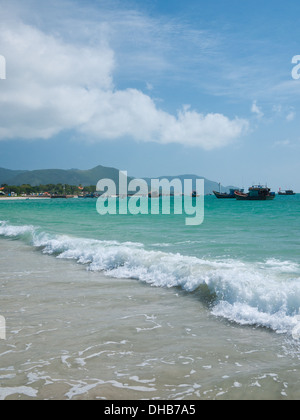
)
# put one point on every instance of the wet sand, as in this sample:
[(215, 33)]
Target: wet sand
[(75, 334)]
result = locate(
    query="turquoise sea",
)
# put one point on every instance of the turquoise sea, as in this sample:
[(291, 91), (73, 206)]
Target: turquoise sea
[(143, 306)]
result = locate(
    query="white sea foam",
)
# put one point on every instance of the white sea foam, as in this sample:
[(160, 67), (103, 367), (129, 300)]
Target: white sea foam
[(23, 390), (15, 231), (263, 293)]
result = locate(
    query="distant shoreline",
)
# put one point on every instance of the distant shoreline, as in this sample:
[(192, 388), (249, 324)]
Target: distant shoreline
[(24, 198)]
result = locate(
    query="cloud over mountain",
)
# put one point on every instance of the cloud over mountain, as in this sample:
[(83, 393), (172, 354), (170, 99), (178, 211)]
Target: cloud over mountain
[(56, 84)]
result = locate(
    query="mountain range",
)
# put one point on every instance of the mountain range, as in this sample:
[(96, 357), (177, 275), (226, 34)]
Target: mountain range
[(85, 177)]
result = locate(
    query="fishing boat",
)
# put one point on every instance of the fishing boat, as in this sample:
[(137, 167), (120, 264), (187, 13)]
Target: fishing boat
[(286, 192), (256, 192), (231, 193), (225, 195), (91, 195), (58, 196)]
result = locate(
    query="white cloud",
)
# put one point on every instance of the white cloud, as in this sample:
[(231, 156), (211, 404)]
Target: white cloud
[(284, 112), (132, 113), (149, 86), (291, 115), (54, 85), (283, 143), (277, 109), (255, 109), (207, 131)]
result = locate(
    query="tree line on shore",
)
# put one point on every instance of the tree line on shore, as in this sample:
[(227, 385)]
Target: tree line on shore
[(52, 189)]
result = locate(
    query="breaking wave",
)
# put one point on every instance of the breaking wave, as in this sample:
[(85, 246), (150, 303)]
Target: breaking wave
[(263, 294)]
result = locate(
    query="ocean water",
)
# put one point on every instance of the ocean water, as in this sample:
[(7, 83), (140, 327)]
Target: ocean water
[(132, 307)]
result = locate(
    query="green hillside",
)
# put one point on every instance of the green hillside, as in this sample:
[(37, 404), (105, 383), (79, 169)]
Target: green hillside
[(6, 175), (60, 176), (209, 186), (84, 177)]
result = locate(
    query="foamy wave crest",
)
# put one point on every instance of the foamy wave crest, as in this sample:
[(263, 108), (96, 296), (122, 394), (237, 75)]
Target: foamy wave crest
[(15, 231), (265, 294)]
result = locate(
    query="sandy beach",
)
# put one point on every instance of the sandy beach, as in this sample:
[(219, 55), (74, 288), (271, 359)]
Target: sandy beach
[(23, 198), (75, 334), (83, 322)]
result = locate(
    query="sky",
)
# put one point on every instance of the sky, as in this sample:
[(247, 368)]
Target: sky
[(153, 87)]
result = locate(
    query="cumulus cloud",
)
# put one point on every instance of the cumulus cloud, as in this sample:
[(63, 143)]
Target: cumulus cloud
[(54, 85)]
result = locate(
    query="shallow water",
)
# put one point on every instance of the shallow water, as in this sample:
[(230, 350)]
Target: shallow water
[(76, 334), (132, 307)]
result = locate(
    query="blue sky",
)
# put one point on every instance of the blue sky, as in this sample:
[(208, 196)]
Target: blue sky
[(160, 87)]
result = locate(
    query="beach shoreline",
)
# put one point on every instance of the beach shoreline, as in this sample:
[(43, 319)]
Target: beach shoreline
[(89, 336), (23, 198)]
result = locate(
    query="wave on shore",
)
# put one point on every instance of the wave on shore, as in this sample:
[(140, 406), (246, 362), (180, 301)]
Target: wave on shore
[(263, 294)]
